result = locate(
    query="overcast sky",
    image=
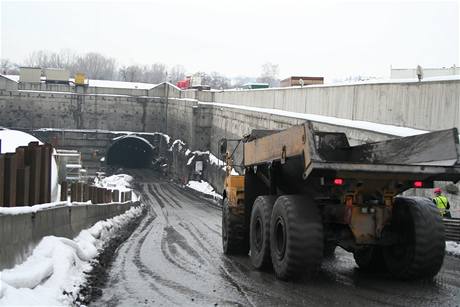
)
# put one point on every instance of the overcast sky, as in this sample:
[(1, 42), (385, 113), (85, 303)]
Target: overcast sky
[(335, 39)]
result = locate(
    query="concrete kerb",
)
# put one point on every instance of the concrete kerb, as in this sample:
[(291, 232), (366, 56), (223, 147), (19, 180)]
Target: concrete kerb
[(20, 233)]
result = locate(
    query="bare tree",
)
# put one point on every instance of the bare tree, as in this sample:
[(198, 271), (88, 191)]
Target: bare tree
[(96, 66), (219, 81), (269, 74), (176, 73), (155, 73), (133, 73), (8, 68), (64, 59)]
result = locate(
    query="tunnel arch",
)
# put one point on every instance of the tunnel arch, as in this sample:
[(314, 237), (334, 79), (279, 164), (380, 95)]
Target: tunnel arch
[(130, 151)]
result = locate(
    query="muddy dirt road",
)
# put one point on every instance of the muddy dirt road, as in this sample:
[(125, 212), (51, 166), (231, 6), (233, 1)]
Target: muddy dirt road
[(175, 257)]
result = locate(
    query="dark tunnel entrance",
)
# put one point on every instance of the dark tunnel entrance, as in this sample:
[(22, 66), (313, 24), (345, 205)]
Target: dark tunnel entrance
[(130, 151)]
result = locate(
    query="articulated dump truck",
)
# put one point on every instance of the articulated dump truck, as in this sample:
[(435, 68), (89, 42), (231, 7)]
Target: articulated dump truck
[(304, 192)]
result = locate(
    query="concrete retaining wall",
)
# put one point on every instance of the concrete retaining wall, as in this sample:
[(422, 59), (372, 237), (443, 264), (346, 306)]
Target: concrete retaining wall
[(429, 105), (71, 111), (19, 234)]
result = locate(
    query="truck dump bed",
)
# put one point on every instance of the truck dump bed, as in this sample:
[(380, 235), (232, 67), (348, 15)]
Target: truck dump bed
[(432, 155)]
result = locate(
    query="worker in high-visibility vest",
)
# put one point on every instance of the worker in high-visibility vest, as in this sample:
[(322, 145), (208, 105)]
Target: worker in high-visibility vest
[(442, 203)]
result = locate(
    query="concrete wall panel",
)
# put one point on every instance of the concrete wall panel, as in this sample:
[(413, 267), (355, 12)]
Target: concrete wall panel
[(19, 234)]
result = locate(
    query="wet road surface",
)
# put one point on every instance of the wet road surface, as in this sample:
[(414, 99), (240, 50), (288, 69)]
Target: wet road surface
[(175, 257)]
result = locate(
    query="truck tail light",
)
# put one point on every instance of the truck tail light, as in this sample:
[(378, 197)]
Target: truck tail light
[(418, 184), (338, 181)]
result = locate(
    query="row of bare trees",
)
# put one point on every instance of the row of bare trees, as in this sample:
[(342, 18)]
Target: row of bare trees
[(98, 66)]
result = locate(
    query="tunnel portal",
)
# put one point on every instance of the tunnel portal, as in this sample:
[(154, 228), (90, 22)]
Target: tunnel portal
[(130, 151)]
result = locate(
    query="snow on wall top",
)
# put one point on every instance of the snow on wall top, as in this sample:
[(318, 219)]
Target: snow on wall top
[(103, 83)]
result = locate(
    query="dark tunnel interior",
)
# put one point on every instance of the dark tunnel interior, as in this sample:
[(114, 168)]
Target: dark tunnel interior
[(130, 152)]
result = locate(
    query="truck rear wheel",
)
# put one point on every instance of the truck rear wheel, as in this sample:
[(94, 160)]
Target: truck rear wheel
[(420, 250), (370, 259), (234, 234), (296, 237), (259, 230)]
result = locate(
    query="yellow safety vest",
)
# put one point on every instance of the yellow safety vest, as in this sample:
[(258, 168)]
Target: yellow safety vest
[(441, 203)]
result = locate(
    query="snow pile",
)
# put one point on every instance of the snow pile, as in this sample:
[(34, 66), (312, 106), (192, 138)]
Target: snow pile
[(120, 182), (453, 248), (12, 139), (203, 187), (57, 265), (213, 160)]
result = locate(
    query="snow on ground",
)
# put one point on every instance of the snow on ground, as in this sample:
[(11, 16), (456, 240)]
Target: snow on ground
[(203, 187), (120, 182), (453, 248), (58, 264), (12, 139), (358, 124)]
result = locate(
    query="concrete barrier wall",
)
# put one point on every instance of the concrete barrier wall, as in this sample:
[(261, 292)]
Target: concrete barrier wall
[(429, 105), (20, 233)]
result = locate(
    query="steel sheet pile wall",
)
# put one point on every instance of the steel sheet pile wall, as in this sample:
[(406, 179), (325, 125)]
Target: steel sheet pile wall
[(26, 176), (82, 192)]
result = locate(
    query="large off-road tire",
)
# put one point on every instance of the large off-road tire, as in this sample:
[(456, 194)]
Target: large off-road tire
[(234, 232), (259, 231), (421, 247), (370, 259), (296, 237)]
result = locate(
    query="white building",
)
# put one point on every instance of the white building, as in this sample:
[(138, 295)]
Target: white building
[(409, 73)]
